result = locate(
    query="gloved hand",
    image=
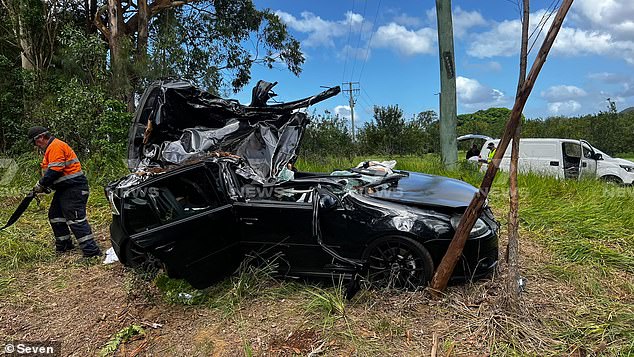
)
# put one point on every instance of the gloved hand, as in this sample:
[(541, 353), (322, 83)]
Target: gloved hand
[(41, 189)]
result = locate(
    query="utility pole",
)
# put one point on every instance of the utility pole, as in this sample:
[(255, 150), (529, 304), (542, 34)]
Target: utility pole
[(448, 144), (352, 93)]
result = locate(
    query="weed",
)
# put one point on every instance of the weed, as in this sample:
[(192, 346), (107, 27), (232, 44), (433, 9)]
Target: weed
[(123, 336)]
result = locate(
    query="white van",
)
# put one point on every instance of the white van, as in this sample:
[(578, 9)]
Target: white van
[(562, 158)]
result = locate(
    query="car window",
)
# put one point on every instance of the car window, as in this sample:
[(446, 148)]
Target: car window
[(172, 198), (138, 212), (299, 194)]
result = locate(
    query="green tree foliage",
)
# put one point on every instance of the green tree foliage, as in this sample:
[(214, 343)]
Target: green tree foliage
[(86, 118), (327, 135), (389, 133), (11, 113), (488, 122), (214, 42)]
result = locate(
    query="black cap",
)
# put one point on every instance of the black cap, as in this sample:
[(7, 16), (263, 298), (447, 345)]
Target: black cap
[(36, 131), (490, 144)]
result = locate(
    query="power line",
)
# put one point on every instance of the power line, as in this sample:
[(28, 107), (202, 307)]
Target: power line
[(368, 96), (367, 50), (554, 5), (343, 75), (354, 64)]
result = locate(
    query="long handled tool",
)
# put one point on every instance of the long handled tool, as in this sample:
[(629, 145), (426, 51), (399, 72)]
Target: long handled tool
[(21, 208)]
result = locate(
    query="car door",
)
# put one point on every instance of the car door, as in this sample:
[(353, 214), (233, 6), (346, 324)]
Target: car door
[(588, 167), (196, 235), (278, 220)]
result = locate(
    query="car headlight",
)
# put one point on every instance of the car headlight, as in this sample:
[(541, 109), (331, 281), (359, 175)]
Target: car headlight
[(628, 168), (113, 206), (479, 227)]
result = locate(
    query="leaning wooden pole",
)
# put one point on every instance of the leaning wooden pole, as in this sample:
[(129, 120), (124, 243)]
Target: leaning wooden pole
[(512, 247), (474, 210)]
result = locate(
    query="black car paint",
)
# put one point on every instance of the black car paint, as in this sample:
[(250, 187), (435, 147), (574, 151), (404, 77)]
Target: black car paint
[(206, 247), (328, 236)]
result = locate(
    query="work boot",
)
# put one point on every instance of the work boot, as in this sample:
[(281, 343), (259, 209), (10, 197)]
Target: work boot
[(91, 251), (64, 246)]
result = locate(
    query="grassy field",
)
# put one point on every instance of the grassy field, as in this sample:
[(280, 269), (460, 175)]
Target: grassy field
[(577, 248)]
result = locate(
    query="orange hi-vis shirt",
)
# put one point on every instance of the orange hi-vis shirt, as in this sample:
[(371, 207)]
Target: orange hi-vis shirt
[(60, 157)]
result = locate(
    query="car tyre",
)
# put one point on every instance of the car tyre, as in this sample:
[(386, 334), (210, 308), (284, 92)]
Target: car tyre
[(397, 262), (612, 180)]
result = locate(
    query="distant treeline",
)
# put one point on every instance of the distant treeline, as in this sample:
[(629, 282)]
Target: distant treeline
[(389, 133)]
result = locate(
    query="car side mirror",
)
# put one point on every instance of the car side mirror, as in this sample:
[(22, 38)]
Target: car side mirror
[(597, 156)]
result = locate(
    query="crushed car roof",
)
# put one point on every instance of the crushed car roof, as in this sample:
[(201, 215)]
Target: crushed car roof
[(177, 122)]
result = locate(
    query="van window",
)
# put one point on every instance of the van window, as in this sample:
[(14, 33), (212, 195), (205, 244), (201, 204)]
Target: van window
[(587, 151), (572, 150), (537, 149)]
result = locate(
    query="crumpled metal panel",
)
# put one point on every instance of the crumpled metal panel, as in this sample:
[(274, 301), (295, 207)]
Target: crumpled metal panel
[(177, 122)]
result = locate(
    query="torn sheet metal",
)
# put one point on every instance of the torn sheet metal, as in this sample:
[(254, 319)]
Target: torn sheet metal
[(177, 122)]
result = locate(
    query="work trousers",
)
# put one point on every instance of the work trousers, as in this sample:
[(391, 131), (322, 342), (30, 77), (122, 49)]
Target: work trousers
[(68, 210)]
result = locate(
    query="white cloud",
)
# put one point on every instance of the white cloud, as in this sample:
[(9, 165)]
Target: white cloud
[(472, 93), (407, 42), (463, 21), (562, 93), (608, 77), (352, 52), (613, 16), (322, 32), (503, 39), (343, 111), (564, 108), (493, 66), (563, 99), (407, 20)]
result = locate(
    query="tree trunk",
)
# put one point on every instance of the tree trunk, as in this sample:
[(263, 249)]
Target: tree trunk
[(512, 249), (26, 49), (474, 210), (115, 18), (142, 39)]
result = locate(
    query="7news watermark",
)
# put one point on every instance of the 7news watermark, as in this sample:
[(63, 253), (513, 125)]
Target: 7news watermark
[(32, 348)]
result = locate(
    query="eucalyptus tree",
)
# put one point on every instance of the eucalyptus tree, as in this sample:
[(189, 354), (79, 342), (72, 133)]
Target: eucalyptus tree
[(213, 42)]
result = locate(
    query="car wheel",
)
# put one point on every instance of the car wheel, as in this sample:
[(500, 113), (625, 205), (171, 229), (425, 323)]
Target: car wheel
[(140, 260), (396, 262)]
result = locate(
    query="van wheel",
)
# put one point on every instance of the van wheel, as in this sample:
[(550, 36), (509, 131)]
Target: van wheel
[(397, 262), (612, 179)]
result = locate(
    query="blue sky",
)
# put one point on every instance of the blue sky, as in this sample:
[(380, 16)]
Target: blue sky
[(391, 48)]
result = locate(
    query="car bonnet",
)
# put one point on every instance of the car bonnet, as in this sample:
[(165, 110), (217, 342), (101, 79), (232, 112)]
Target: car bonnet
[(428, 190)]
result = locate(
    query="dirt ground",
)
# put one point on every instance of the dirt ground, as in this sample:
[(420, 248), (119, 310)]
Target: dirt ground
[(85, 305)]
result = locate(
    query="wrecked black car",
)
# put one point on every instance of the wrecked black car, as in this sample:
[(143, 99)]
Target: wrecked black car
[(213, 182)]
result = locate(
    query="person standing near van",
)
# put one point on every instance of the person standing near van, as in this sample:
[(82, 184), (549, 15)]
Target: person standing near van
[(492, 150), (474, 151)]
